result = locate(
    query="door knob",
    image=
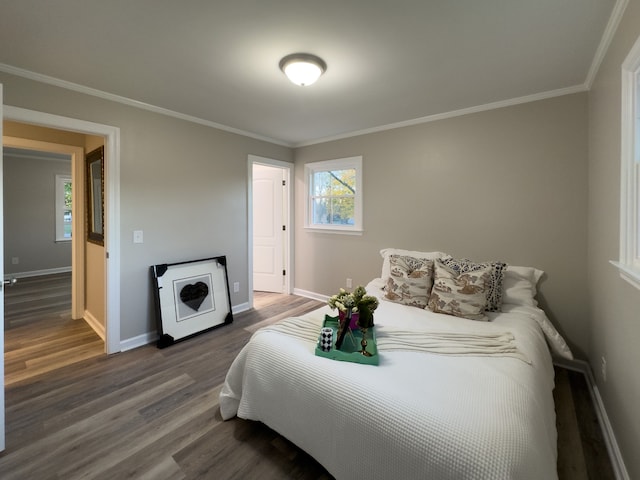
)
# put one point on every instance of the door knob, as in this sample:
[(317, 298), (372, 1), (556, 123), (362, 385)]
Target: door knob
[(11, 282)]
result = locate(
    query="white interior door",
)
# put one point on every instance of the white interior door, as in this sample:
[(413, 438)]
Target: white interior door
[(2, 445), (268, 233)]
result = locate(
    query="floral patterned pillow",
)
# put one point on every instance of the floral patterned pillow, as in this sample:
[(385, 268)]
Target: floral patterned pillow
[(494, 295), (460, 294), (410, 280)]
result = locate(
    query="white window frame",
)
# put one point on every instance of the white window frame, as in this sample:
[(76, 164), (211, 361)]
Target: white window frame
[(329, 165), (60, 182), (629, 261)]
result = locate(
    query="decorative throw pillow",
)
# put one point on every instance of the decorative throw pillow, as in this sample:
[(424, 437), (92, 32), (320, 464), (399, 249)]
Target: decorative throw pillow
[(494, 295), (410, 280), (460, 294), (386, 253)]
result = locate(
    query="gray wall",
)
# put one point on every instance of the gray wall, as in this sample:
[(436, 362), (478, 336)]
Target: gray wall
[(183, 184), (508, 184), (614, 305), (29, 215)]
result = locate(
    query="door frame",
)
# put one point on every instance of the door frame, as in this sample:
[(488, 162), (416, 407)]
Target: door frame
[(78, 217), (112, 204), (288, 220)]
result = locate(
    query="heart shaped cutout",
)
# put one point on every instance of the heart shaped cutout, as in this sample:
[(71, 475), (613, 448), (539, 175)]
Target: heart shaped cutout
[(192, 295)]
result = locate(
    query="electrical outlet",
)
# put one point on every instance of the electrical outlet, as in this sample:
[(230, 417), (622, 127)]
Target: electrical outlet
[(15, 260), (603, 365), (349, 283), (236, 287), (138, 236)]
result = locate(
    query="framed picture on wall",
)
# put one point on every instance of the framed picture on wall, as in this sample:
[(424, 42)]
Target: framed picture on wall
[(190, 298), (95, 196)]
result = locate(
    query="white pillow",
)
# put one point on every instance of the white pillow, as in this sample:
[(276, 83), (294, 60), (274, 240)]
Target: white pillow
[(385, 253), (520, 285)]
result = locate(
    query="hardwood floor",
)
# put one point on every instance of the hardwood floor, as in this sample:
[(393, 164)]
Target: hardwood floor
[(40, 334), (153, 414)]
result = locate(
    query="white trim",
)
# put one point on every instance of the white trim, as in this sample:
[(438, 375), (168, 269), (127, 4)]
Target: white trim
[(289, 241), (334, 230), (629, 185), (629, 275), (40, 156), (307, 294), (455, 113), (242, 307), (150, 337), (346, 163), (138, 341), (112, 207), (94, 324), (617, 462), (189, 118), (38, 77), (37, 273), (605, 41)]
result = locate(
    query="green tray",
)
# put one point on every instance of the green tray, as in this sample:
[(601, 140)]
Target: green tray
[(350, 351)]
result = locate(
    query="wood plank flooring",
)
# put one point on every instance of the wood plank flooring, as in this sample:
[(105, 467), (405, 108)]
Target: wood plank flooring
[(43, 305), (153, 414)]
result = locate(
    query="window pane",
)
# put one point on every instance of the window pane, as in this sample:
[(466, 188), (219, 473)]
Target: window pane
[(321, 211), (67, 224), (63, 207), (321, 184), (343, 182), (342, 211), (334, 198), (67, 209), (333, 211)]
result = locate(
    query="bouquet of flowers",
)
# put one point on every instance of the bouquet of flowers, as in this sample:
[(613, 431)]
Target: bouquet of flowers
[(357, 301)]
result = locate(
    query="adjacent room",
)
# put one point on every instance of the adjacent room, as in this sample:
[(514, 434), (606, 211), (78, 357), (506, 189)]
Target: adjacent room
[(482, 148)]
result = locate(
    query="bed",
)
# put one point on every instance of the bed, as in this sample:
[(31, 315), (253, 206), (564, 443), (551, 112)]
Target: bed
[(451, 398)]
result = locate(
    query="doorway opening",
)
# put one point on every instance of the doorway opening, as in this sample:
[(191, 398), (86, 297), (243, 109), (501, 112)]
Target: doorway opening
[(44, 248), (109, 256), (270, 221)]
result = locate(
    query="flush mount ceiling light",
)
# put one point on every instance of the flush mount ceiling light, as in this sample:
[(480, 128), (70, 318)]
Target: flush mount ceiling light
[(302, 68)]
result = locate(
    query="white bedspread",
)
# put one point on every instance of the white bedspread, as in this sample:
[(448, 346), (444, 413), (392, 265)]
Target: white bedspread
[(418, 414)]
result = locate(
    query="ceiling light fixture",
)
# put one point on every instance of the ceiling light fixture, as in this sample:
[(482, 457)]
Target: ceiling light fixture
[(303, 68)]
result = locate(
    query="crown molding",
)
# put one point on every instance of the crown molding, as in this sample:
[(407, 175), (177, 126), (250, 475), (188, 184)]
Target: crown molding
[(38, 77), (455, 113), (605, 41)]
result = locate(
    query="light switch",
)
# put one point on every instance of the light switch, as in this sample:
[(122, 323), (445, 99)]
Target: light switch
[(137, 236)]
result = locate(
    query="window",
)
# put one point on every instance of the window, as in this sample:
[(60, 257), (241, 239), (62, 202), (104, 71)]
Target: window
[(334, 195), (63, 208), (629, 263)]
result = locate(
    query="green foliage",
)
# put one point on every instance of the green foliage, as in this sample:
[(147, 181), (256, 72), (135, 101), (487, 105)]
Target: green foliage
[(334, 193), (358, 301), (67, 195)]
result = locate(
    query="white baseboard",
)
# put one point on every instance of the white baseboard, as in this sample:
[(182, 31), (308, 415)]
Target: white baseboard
[(37, 273), (139, 341), (610, 441), (95, 325), (243, 307), (150, 337), (617, 461), (312, 295)]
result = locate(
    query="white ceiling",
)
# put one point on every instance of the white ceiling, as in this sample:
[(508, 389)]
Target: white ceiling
[(389, 63)]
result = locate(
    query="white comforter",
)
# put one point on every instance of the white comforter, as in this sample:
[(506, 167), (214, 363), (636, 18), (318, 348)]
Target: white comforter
[(422, 415)]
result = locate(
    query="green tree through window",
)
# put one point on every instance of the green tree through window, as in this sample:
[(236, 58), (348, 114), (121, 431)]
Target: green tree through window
[(335, 194)]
